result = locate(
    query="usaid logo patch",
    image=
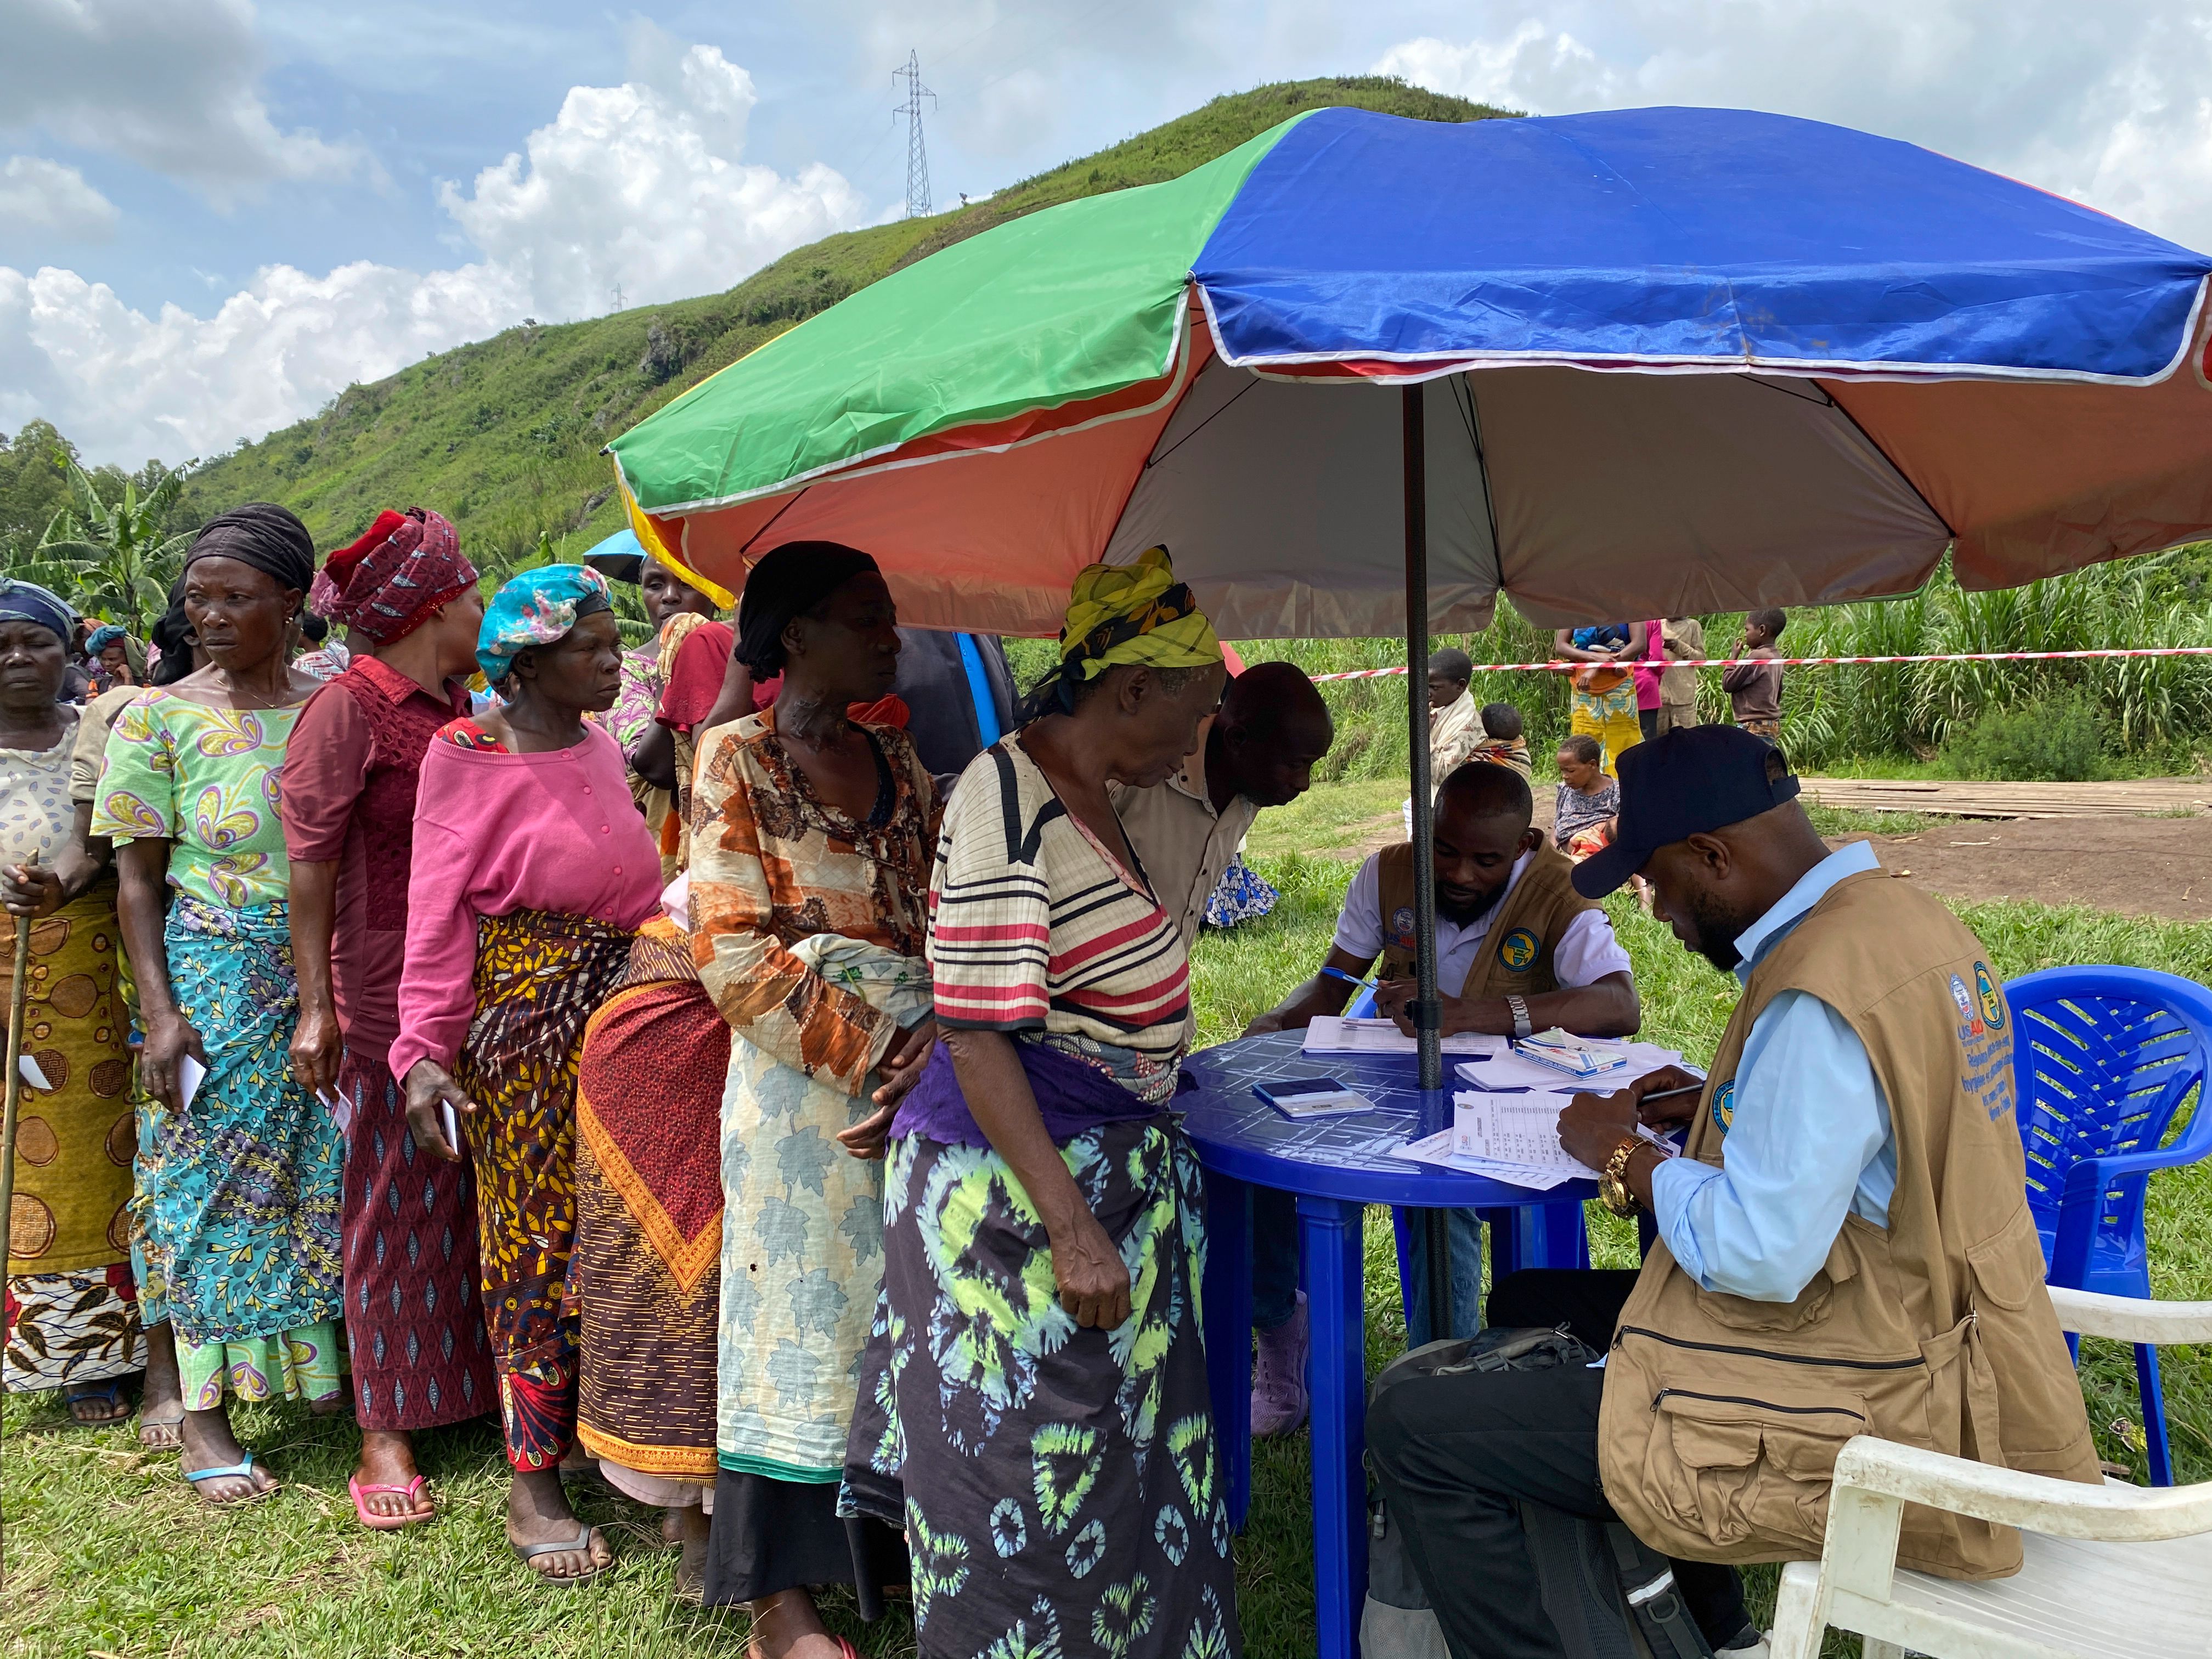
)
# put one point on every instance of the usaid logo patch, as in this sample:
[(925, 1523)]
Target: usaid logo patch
[(1401, 924)]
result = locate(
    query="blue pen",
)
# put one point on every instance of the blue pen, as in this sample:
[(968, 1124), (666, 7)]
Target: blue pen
[(1349, 979)]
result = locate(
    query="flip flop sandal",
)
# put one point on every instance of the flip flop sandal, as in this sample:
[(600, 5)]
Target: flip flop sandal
[(579, 1545), (362, 1489), (174, 1438), (243, 1469), (110, 1393)]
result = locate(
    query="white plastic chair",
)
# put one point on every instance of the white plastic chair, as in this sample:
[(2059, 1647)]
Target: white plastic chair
[(2113, 1572)]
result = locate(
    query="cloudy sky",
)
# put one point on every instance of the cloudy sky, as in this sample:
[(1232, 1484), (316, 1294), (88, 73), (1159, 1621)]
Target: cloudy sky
[(215, 214)]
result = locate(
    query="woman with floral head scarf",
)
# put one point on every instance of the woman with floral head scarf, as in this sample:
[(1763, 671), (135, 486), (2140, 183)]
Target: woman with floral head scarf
[(239, 1167), (1053, 1466), (532, 872)]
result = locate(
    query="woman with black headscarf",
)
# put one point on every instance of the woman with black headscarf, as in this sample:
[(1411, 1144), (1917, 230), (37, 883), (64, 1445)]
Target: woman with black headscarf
[(238, 1168), (161, 1407)]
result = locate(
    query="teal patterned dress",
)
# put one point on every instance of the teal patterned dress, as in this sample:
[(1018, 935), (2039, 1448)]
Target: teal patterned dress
[(1059, 1486), (237, 1196)]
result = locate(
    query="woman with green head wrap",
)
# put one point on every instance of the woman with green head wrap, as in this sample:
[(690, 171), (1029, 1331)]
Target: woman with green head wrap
[(1054, 1465)]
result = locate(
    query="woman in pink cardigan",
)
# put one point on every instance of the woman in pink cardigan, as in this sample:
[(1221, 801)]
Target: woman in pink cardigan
[(532, 869)]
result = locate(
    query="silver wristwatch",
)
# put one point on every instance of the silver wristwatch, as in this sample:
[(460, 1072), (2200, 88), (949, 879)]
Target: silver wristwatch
[(1522, 1027)]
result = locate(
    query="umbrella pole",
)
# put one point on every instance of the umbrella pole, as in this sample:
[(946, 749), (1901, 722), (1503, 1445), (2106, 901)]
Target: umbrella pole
[(1427, 1012), (19, 987)]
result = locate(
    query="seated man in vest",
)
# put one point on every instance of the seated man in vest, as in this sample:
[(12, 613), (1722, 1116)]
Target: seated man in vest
[(1260, 750), (1518, 950), (1845, 1246)]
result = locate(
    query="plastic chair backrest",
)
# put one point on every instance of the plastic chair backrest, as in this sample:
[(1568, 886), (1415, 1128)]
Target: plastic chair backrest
[(2102, 1059)]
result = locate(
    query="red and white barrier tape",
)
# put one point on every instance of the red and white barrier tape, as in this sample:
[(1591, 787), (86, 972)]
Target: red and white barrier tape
[(1804, 662)]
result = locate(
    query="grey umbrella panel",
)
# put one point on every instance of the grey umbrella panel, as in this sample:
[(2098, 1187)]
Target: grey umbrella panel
[(1587, 495)]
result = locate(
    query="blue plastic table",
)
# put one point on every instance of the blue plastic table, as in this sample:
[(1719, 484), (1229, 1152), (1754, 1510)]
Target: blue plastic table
[(1335, 1166)]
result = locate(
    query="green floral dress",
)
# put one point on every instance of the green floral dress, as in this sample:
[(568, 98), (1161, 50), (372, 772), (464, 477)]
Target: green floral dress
[(237, 1196)]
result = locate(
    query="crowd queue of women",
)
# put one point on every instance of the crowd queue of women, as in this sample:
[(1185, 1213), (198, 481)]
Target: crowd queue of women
[(646, 1049)]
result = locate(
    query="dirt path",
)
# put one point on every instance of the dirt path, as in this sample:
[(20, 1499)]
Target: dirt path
[(2149, 867), (2137, 866)]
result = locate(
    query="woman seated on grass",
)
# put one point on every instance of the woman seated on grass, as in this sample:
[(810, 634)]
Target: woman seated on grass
[(1587, 802)]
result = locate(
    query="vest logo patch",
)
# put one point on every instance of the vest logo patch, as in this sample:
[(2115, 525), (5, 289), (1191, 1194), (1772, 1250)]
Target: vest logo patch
[(1971, 1024), (1517, 950), (1401, 924), (1985, 988), (1724, 1106)]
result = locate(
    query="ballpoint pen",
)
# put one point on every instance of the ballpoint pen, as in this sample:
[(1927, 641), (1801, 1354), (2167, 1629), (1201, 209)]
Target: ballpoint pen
[(1349, 979)]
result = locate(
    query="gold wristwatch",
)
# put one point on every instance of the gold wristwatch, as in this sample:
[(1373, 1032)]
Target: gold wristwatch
[(1613, 1188)]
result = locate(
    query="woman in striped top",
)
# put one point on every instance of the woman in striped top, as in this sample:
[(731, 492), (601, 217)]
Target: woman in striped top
[(1034, 1393)]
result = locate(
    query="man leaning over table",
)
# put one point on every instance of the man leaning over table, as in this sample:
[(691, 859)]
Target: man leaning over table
[(1258, 751), (1845, 1246), (1518, 950)]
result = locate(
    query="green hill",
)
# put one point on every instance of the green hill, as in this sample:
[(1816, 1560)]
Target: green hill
[(504, 435)]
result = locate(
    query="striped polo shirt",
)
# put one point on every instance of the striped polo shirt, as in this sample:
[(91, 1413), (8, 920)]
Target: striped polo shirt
[(1036, 928)]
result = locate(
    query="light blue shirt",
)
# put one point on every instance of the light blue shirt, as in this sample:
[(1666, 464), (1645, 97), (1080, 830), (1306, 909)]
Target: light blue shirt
[(1808, 1138)]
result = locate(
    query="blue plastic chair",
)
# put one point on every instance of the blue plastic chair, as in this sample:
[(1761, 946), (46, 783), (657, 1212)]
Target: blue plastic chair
[(2103, 1058)]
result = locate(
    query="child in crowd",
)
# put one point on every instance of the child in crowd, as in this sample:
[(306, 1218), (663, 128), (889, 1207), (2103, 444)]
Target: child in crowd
[(1755, 688), (1587, 802), (1502, 743), (1454, 730)]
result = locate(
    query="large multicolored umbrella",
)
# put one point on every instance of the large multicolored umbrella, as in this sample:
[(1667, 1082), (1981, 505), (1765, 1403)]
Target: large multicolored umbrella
[(1653, 361), (1671, 360)]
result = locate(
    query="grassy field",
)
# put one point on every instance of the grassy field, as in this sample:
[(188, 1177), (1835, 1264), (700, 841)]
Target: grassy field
[(109, 1554)]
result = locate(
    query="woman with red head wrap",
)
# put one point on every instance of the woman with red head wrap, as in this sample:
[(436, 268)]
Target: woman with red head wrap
[(414, 1321)]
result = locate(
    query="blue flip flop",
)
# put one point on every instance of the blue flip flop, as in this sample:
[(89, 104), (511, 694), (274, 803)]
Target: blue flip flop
[(109, 1393), (240, 1470)]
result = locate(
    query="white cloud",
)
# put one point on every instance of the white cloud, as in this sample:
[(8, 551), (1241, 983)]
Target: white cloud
[(41, 195), (2100, 103), (167, 83), (639, 185)]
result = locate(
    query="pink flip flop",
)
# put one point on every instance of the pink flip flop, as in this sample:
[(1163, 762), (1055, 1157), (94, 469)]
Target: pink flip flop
[(387, 1523)]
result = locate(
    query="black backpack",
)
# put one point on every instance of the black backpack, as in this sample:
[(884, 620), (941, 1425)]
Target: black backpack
[(1609, 1595)]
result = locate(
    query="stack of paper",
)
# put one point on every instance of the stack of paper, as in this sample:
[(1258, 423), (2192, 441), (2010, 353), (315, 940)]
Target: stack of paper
[(1437, 1149), (1522, 1129), (1580, 1058), (1332, 1034), (1512, 1072)]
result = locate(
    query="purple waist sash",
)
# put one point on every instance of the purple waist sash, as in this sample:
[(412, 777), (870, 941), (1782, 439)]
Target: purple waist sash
[(1070, 1098)]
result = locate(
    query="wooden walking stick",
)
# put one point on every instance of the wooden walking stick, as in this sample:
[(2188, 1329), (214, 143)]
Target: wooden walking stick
[(19, 989)]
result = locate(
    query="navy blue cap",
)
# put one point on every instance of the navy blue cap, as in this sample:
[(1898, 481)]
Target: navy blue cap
[(1689, 782)]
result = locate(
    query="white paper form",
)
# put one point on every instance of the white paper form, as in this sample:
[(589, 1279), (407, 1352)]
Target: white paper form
[(1437, 1149), (1333, 1034), (1522, 1130)]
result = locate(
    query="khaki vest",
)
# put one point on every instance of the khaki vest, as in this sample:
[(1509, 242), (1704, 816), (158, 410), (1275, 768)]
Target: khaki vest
[(1722, 1417), (1517, 953)]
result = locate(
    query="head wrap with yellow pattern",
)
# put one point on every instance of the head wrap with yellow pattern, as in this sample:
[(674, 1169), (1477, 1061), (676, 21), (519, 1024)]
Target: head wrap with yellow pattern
[(1135, 613)]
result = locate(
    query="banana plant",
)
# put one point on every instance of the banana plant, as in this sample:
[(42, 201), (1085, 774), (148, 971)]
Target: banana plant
[(110, 558)]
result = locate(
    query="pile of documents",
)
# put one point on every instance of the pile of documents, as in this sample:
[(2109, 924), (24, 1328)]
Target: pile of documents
[(1333, 1034), (1506, 1127), (1580, 1058)]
